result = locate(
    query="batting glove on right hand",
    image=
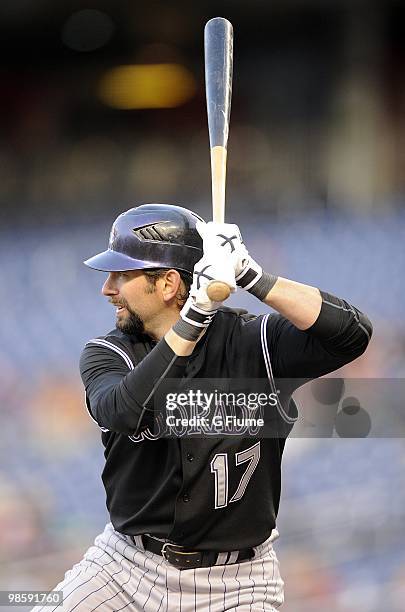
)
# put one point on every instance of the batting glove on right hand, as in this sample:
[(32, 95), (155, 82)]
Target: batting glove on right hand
[(226, 237), (199, 310), (250, 275), (247, 271)]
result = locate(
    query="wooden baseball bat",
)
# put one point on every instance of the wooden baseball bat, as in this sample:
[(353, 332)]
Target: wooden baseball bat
[(218, 51)]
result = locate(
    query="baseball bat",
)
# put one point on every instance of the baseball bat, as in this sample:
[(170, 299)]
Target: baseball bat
[(218, 51)]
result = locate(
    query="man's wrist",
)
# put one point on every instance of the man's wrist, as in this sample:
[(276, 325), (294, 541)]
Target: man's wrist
[(250, 274), (255, 281), (263, 286), (181, 347), (193, 321), (187, 331)]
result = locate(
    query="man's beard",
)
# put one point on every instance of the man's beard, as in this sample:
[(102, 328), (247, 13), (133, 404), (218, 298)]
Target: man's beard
[(132, 324)]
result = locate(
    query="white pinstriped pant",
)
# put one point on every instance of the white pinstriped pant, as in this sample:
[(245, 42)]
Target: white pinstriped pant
[(116, 575)]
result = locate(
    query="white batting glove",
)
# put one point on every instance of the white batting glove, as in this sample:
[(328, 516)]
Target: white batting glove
[(199, 310), (247, 271), (224, 236), (213, 266), (227, 237)]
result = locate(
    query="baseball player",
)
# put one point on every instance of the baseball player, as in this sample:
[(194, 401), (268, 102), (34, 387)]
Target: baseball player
[(193, 519)]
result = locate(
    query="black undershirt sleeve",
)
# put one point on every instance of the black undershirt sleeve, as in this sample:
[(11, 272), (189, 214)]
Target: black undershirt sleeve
[(116, 395), (339, 335)]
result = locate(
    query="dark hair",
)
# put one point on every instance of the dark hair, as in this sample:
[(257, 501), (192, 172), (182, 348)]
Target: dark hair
[(153, 275)]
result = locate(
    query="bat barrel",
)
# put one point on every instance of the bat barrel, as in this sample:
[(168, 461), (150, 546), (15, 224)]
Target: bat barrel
[(218, 45)]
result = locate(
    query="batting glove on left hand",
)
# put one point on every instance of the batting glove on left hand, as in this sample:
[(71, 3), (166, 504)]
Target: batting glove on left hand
[(199, 310)]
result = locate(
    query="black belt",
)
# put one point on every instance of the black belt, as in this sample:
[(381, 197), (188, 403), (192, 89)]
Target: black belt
[(184, 558)]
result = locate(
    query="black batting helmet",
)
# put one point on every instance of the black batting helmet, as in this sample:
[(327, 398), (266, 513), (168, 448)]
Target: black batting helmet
[(151, 236)]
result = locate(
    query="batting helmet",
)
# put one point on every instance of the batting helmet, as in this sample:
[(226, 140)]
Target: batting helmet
[(151, 236)]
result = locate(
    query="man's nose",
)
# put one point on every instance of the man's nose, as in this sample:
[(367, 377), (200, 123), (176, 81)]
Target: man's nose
[(109, 287)]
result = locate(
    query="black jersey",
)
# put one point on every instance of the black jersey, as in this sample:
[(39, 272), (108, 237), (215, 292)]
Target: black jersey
[(209, 493)]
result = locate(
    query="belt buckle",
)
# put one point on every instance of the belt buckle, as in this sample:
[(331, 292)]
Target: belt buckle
[(163, 551), (186, 562)]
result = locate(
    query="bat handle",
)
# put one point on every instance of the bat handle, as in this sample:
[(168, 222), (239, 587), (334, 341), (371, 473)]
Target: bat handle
[(218, 177), (218, 291)]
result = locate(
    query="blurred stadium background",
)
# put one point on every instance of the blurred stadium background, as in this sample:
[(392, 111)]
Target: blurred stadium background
[(102, 108)]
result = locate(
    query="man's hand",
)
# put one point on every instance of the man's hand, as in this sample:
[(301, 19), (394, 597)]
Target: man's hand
[(227, 238), (224, 236), (198, 311), (213, 266)]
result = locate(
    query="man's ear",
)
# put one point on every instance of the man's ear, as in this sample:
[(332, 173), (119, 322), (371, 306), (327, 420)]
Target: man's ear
[(170, 285)]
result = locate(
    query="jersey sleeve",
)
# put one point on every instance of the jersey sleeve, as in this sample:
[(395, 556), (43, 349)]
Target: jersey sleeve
[(339, 335), (120, 393)]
